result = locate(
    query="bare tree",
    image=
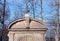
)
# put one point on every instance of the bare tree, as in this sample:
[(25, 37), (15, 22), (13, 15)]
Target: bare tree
[(41, 10), (57, 20), (32, 6)]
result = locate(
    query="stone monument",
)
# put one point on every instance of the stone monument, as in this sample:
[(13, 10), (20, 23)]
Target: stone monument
[(27, 29)]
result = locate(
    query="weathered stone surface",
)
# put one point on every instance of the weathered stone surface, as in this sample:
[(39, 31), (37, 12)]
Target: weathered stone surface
[(18, 30), (21, 23)]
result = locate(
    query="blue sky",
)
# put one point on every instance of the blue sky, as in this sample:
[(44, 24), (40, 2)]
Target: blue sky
[(13, 6), (48, 10)]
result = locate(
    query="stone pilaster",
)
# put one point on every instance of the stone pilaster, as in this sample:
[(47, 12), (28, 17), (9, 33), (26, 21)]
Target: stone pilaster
[(11, 36)]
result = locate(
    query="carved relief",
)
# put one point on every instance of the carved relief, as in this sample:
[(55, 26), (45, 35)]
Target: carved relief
[(27, 37)]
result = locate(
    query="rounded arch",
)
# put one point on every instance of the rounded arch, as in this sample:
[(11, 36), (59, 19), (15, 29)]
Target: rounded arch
[(20, 20), (13, 22)]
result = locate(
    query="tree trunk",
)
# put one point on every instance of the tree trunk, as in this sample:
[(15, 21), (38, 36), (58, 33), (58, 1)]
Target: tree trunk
[(41, 10), (57, 21)]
